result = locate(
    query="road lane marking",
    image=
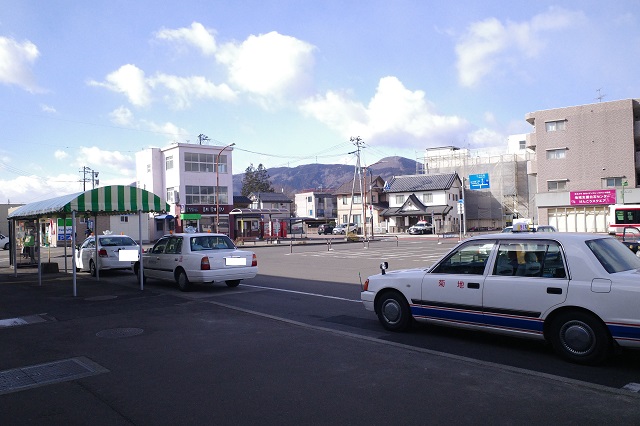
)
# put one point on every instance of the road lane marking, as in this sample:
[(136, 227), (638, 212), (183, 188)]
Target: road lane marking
[(302, 292)]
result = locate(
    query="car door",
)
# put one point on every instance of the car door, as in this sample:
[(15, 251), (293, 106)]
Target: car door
[(169, 260), (152, 258), (452, 290), (516, 295), (85, 254)]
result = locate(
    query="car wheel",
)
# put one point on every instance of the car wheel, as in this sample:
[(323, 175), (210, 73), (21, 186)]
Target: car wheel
[(92, 269), (6, 246), (580, 337), (232, 283), (393, 311), (183, 281)]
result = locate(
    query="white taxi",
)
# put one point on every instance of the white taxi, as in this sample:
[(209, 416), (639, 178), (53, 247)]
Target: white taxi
[(197, 258), (580, 292), (112, 253)]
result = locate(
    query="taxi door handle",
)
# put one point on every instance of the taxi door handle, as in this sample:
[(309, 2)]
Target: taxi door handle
[(473, 285), (554, 290)]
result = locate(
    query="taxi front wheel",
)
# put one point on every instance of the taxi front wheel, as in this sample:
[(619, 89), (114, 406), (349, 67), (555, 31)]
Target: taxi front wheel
[(580, 337), (393, 311)]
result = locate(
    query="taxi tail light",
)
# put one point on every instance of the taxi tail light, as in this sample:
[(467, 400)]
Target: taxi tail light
[(204, 264), (254, 260), (103, 253), (366, 285)]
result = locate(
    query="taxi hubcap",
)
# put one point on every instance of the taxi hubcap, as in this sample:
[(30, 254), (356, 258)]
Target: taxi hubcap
[(577, 337), (391, 311)]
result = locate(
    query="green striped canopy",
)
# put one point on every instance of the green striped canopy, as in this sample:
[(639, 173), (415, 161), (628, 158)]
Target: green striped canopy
[(115, 199)]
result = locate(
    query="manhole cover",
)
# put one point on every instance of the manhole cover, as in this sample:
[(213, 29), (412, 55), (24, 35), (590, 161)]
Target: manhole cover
[(116, 333), (100, 298)]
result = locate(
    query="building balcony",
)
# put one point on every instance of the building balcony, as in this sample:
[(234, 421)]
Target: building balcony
[(532, 167), (531, 141)]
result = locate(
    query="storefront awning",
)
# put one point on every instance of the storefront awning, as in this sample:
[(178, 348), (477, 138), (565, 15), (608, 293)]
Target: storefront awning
[(163, 217)]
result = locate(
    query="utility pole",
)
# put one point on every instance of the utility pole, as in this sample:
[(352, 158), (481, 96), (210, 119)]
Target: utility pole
[(357, 174), (93, 178), (203, 138)]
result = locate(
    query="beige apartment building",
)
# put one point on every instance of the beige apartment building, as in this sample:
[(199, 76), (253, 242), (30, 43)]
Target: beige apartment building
[(586, 158)]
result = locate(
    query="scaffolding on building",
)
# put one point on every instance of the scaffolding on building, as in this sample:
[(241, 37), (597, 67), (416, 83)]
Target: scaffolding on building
[(508, 194)]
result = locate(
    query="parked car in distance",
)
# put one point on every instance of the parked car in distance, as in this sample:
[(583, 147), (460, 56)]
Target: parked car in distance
[(545, 228), (577, 291), (342, 229), (4, 242), (631, 238), (325, 229), (421, 228), (191, 258), (109, 253)]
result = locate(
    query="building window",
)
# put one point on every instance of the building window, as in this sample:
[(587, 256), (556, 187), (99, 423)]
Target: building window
[(357, 199), (124, 218), (309, 199), (344, 200), (555, 126), (205, 195), (222, 164), (612, 182), (556, 154), (170, 195), (522, 144), (427, 198), (198, 162), (556, 185), (345, 218), (168, 162), (399, 199), (357, 219), (148, 168)]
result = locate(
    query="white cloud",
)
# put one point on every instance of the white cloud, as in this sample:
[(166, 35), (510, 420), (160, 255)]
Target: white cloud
[(60, 155), (16, 60), (486, 138), (490, 45), (129, 80), (183, 89), (27, 189), (122, 116), (196, 35), (173, 133), (48, 109), (105, 161), (270, 65), (395, 116)]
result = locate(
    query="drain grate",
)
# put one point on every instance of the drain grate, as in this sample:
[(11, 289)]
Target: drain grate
[(116, 333), (44, 374)]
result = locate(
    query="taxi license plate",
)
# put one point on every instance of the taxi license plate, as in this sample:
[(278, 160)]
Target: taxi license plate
[(235, 261)]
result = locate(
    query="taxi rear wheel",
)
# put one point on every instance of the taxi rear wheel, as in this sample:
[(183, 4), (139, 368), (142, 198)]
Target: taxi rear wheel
[(393, 311), (92, 268), (580, 337), (232, 283), (183, 281)]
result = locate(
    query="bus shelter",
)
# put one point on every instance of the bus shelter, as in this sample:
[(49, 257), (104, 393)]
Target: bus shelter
[(106, 200)]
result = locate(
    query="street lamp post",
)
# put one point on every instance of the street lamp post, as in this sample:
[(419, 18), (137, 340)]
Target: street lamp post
[(218, 184)]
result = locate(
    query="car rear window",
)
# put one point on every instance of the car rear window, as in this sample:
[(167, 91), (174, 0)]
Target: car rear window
[(212, 242), (613, 255), (116, 241)]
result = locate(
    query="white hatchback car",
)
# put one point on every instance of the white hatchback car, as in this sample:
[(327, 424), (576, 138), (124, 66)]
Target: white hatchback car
[(580, 292), (109, 253), (197, 258)]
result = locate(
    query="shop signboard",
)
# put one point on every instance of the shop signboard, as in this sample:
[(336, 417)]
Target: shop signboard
[(595, 197)]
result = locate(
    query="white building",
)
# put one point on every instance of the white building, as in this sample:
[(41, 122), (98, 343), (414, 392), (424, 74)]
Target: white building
[(197, 182), (316, 205)]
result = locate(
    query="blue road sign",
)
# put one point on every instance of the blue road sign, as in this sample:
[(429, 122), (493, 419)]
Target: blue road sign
[(479, 181)]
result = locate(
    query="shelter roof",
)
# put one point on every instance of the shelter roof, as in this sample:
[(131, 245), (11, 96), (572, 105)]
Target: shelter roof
[(114, 199)]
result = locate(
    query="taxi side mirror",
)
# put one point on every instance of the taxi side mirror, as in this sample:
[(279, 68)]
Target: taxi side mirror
[(383, 267)]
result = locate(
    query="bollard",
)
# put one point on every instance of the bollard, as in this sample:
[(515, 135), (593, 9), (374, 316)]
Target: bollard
[(329, 245), (290, 246)]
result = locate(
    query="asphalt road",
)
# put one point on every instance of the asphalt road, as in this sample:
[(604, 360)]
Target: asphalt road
[(294, 345)]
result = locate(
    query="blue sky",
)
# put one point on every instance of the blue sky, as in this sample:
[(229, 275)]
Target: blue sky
[(290, 82)]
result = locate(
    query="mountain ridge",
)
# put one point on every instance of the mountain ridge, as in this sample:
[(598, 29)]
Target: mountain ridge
[(327, 177)]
